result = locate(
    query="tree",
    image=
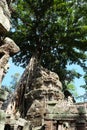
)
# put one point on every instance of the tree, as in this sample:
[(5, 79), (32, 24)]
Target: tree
[(15, 79), (85, 79), (55, 31), (13, 83), (72, 88)]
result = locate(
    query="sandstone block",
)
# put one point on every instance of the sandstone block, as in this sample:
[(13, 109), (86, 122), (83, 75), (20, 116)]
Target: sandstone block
[(4, 17)]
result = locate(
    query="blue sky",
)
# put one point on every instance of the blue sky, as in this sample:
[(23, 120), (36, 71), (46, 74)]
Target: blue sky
[(16, 69), (11, 71), (78, 82)]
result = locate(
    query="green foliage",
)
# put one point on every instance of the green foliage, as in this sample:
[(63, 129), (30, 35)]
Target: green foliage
[(15, 79), (54, 30), (72, 88), (5, 88), (85, 79)]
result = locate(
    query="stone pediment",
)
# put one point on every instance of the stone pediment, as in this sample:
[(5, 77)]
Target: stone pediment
[(36, 108), (64, 111)]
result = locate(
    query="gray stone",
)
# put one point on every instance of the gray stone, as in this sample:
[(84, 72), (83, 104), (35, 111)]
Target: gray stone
[(7, 49), (4, 17)]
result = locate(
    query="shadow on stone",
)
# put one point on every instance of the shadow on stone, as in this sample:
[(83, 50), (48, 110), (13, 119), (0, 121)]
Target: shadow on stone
[(7, 127)]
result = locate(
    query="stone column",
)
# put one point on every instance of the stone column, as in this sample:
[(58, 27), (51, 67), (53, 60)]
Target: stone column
[(59, 126)]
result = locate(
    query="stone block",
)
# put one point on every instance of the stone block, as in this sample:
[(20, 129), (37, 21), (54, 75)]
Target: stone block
[(4, 22), (21, 122)]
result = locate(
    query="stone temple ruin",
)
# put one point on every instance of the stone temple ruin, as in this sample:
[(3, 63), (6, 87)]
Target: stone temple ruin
[(38, 102), (7, 49), (43, 104)]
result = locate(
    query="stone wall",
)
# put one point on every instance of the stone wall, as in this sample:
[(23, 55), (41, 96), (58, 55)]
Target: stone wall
[(40, 100), (7, 49), (36, 86), (7, 45), (72, 117), (4, 17)]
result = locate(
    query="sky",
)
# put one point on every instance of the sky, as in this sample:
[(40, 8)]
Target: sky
[(17, 69), (11, 71), (78, 81)]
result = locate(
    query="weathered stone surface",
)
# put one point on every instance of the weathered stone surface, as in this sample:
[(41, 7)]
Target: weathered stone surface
[(27, 126), (36, 86), (2, 115), (4, 17), (35, 113), (9, 46), (3, 94), (39, 98), (21, 122), (6, 102), (1, 126), (7, 49)]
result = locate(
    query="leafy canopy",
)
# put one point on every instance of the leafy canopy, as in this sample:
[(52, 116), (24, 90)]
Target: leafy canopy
[(54, 30)]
